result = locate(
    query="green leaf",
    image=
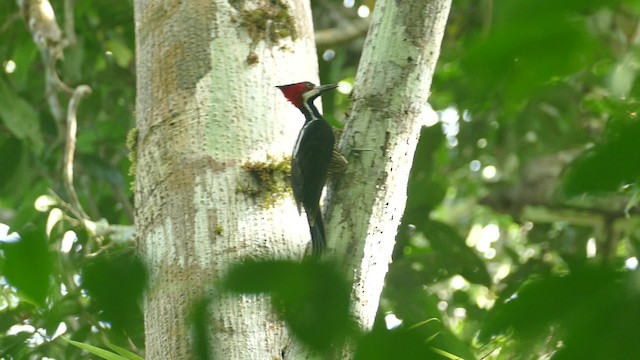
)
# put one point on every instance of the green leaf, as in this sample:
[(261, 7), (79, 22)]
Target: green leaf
[(27, 264), (453, 253), (19, 117), (14, 161), (24, 54), (200, 329), (591, 310), (115, 282), (105, 354), (609, 165), (394, 344), (530, 44), (122, 351), (121, 53), (312, 297), (426, 190), (446, 354)]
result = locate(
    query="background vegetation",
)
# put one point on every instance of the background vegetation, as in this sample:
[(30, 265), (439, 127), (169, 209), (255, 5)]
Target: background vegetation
[(520, 238)]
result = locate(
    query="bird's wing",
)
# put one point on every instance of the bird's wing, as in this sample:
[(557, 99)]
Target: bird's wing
[(310, 164)]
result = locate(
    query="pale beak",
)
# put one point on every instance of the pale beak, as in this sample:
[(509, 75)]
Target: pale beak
[(322, 88)]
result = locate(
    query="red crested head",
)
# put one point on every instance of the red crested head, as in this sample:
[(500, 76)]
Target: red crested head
[(293, 92), (298, 93)]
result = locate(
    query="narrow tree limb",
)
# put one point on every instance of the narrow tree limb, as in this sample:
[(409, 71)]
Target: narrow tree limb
[(349, 31), (69, 153), (69, 23)]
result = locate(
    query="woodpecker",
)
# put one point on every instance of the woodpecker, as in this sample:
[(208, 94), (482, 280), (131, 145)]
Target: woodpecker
[(311, 157)]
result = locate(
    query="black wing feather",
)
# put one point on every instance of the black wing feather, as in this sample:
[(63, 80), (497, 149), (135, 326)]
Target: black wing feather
[(309, 169)]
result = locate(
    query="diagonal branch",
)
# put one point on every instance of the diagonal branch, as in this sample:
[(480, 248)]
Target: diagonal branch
[(342, 34)]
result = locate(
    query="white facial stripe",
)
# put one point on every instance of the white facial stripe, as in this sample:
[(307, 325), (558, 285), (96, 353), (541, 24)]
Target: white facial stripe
[(310, 93), (309, 111), (300, 136)]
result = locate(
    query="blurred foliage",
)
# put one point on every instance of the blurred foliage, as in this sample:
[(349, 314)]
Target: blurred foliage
[(533, 173), (520, 238), (605, 167), (56, 277), (199, 322), (27, 265), (312, 297), (117, 301), (395, 344), (591, 310), (116, 353)]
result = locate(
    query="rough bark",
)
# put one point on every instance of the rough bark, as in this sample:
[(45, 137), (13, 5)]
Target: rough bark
[(389, 108), (206, 105)]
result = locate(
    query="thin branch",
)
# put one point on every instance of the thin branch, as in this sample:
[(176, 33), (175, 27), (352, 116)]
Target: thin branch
[(47, 35), (487, 17), (59, 202), (9, 22), (52, 99), (126, 204), (70, 147), (344, 33), (69, 24), (55, 78)]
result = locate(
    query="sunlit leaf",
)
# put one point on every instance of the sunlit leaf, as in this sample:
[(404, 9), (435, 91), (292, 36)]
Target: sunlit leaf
[(122, 351), (55, 216), (121, 53), (105, 354)]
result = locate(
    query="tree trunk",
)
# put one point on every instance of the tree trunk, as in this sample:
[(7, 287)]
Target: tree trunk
[(380, 137), (206, 105)]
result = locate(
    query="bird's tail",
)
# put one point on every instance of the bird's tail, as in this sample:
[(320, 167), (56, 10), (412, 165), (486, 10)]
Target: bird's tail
[(318, 242)]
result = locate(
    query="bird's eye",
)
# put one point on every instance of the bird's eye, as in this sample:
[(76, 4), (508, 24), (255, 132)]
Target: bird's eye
[(308, 85)]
